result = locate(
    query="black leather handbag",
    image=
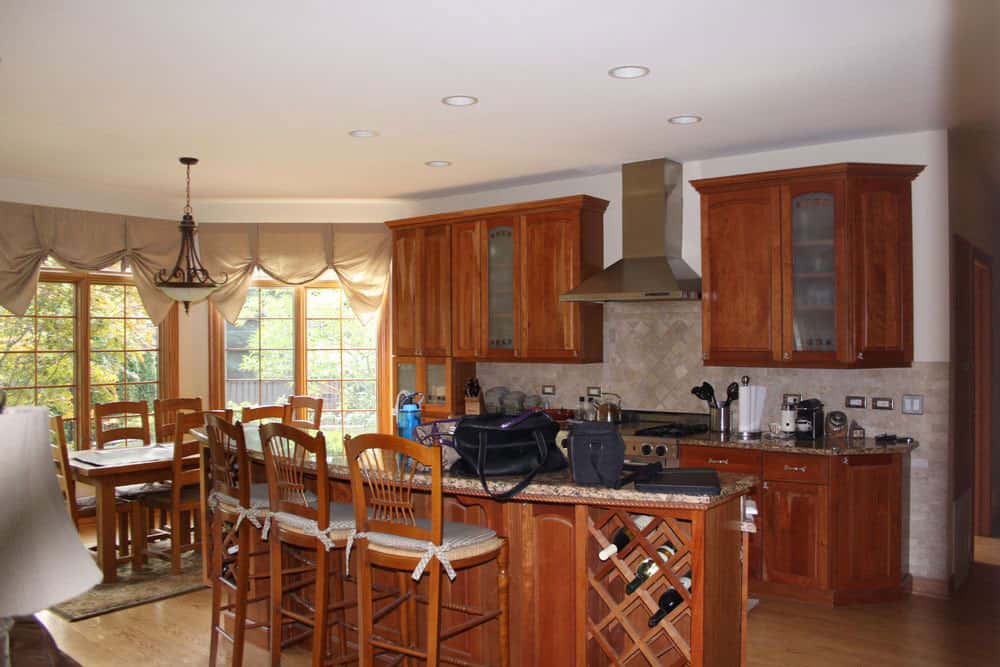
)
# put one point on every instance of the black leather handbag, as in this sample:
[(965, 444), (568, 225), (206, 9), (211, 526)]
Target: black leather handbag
[(596, 454), (505, 446)]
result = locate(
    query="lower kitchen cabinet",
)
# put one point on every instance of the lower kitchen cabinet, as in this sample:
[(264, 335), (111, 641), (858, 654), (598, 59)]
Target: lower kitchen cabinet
[(831, 525), (795, 516)]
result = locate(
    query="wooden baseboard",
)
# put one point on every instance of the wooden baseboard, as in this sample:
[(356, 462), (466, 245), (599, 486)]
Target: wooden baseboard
[(935, 588)]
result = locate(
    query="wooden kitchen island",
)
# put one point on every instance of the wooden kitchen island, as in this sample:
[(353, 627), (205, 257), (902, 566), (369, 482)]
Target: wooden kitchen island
[(567, 607)]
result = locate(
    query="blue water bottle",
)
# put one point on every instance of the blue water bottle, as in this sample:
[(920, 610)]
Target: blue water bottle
[(408, 414)]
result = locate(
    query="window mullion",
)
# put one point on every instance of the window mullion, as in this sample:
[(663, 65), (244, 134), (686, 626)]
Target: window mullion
[(83, 364), (299, 353)]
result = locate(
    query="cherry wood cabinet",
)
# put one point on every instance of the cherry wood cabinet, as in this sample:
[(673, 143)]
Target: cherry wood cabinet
[(808, 267), (421, 291), (796, 517), (831, 527), (505, 270), (441, 380)]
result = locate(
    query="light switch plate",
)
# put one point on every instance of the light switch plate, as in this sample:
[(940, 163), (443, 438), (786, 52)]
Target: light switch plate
[(594, 391), (548, 390), (859, 402), (912, 404), (882, 403)]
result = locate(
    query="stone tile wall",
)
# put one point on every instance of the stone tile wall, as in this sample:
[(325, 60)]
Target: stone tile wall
[(652, 355)]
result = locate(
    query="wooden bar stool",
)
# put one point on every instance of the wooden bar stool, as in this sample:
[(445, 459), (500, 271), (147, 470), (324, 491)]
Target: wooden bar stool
[(239, 510), (390, 535), (306, 521)]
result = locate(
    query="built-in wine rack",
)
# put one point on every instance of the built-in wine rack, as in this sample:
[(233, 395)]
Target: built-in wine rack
[(618, 632)]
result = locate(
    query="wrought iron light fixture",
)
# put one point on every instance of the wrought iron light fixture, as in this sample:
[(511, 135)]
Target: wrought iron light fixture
[(188, 282)]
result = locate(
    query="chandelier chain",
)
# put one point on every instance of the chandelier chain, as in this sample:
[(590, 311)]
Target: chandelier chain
[(187, 206)]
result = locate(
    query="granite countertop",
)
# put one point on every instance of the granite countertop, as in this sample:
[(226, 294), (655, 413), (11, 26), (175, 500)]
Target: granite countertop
[(822, 446), (554, 487)]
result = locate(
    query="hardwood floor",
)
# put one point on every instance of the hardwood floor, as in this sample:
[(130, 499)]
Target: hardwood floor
[(916, 631)]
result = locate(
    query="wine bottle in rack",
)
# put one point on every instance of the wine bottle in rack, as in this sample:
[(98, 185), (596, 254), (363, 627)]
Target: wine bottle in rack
[(648, 567), (669, 601), (624, 535)]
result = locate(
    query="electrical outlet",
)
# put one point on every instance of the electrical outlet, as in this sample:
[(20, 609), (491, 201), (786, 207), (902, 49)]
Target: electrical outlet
[(882, 403), (859, 402), (594, 391), (548, 390), (912, 404)]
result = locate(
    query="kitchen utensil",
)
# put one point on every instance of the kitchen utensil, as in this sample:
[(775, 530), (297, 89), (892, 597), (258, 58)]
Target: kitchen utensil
[(609, 408), (732, 393), (701, 393), (710, 392)]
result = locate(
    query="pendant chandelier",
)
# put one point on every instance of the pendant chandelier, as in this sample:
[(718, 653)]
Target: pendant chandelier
[(188, 282)]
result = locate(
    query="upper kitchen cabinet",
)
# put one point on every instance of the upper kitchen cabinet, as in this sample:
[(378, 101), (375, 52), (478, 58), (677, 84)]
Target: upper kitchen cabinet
[(808, 267), (421, 291), (508, 267)]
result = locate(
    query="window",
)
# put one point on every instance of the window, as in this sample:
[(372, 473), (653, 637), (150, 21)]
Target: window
[(260, 349), (38, 353), (81, 336), (301, 340), (341, 359), (124, 347)]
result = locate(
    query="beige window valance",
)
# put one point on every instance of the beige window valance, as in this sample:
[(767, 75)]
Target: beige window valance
[(291, 253)]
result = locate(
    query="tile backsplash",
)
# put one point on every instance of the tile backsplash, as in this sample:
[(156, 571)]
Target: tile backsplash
[(652, 353)]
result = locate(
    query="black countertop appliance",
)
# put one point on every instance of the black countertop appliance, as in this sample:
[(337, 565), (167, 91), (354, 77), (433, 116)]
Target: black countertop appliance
[(809, 419)]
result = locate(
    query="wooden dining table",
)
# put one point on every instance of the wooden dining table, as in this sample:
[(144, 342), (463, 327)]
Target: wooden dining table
[(108, 469)]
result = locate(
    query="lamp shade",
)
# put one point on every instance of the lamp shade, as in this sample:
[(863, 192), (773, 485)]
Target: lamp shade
[(42, 559)]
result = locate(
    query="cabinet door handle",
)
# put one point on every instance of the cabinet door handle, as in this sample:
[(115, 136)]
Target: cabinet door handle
[(786, 356), (861, 355), (795, 468), (721, 462)]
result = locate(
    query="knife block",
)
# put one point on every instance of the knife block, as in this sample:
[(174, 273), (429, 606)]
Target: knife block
[(474, 405)]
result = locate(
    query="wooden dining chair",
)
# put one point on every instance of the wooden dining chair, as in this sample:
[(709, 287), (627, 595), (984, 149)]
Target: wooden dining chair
[(183, 501), (118, 414), (304, 412), (165, 415), (303, 520), (393, 535), (238, 508), (260, 412), (84, 507)]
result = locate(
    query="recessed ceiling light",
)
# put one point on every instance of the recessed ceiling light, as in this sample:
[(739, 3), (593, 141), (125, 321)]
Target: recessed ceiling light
[(686, 119), (437, 163), (460, 100), (628, 71), (363, 134)]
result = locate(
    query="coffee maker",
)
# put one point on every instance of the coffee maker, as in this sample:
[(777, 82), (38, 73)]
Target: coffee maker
[(809, 419)]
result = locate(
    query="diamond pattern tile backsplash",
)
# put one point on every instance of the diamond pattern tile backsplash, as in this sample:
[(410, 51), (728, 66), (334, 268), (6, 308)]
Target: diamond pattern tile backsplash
[(652, 358)]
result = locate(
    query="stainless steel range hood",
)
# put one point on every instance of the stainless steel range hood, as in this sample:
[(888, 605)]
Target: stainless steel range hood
[(651, 268)]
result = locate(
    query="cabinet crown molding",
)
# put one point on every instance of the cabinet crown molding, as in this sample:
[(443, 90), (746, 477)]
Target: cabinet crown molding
[(784, 176), (582, 202)]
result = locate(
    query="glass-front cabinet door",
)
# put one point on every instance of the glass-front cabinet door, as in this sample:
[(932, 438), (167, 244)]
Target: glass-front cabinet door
[(813, 239), (436, 381), (501, 286), (405, 376)]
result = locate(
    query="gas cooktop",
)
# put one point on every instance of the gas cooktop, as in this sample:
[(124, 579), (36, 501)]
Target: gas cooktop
[(672, 430)]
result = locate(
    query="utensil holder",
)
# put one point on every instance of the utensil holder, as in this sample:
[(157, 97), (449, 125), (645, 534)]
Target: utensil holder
[(720, 419)]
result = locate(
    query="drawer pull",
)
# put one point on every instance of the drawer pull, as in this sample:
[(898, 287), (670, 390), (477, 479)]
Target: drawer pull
[(721, 462), (795, 468)]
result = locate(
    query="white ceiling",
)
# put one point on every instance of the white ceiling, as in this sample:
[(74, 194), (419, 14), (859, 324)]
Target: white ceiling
[(110, 92)]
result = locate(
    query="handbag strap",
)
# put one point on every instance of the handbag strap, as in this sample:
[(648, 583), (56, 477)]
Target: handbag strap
[(595, 455), (543, 450)]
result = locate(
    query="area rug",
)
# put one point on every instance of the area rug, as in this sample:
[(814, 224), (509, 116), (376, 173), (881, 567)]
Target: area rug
[(154, 582)]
